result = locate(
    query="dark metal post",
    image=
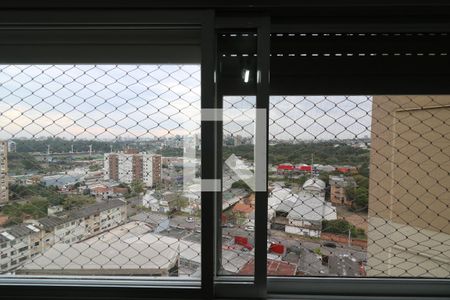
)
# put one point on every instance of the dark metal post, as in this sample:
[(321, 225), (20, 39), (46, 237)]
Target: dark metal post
[(208, 159), (261, 155)]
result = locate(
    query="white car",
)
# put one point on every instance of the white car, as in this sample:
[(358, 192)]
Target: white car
[(250, 228), (190, 219)]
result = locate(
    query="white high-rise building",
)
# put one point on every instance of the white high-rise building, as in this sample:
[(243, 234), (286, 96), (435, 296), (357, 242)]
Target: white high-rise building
[(4, 190), (131, 165)]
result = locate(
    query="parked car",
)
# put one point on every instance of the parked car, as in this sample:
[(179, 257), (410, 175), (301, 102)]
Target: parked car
[(250, 228), (329, 244), (227, 225), (190, 219)]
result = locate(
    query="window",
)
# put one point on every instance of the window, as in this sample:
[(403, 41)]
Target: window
[(23, 249), (5, 255), (227, 180)]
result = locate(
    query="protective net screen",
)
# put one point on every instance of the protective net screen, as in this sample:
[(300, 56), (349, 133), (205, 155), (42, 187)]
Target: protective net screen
[(100, 170), (238, 199), (359, 186)]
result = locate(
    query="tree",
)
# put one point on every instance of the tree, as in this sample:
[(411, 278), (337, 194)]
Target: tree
[(361, 181), (35, 208), (342, 227), (364, 169), (94, 168), (361, 198), (76, 201), (137, 186), (181, 202), (240, 184)]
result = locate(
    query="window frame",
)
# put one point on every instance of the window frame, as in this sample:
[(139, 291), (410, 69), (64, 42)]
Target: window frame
[(211, 286), (360, 288), (24, 27)]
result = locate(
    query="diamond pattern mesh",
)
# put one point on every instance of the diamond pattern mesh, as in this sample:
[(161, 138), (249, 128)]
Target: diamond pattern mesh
[(359, 185), (92, 165), (95, 178), (238, 216)]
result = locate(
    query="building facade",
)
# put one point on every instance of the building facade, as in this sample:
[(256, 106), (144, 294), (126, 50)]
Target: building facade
[(129, 165), (18, 244), (4, 189), (408, 228), (75, 225), (338, 184)]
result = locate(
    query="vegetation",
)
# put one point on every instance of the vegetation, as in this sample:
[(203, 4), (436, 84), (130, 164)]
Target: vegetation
[(180, 202), (23, 163), (35, 208), (240, 184), (342, 227), (20, 192), (318, 251), (32, 201), (95, 167), (359, 194), (76, 201), (170, 151), (301, 153), (137, 187)]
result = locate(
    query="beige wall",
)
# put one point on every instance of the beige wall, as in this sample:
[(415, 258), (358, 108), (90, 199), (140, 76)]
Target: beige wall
[(409, 199)]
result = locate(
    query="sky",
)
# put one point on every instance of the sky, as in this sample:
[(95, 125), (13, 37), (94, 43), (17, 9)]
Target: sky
[(147, 101)]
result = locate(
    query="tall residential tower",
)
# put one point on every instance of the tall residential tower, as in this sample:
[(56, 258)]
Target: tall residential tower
[(131, 165), (4, 191)]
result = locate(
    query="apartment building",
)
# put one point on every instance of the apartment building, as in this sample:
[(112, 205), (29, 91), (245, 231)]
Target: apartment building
[(12, 146), (4, 190), (18, 244), (338, 184), (130, 165), (409, 231), (75, 225), (151, 254)]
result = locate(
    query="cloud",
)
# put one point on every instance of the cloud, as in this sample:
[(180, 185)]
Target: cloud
[(107, 101)]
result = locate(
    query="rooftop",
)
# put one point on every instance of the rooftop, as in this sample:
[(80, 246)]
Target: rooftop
[(66, 216), (244, 208), (306, 206), (127, 249), (17, 231), (274, 268)]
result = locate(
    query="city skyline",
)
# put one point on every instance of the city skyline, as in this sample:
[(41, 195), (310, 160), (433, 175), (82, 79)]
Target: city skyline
[(150, 101)]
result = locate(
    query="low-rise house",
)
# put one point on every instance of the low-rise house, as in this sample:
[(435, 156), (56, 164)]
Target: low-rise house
[(304, 213), (314, 186), (244, 214), (18, 244), (338, 184), (155, 203)]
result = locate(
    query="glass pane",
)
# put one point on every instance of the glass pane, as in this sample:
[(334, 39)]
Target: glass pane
[(359, 186), (238, 203), (100, 170)]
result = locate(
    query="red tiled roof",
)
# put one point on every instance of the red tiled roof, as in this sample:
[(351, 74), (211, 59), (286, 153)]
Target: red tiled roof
[(274, 268), (242, 207), (100, 189)]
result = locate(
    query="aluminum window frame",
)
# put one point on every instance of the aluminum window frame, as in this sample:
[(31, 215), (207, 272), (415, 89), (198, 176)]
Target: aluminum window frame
[(232, 286), (325, 287), (368, 287), (21, 30)]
